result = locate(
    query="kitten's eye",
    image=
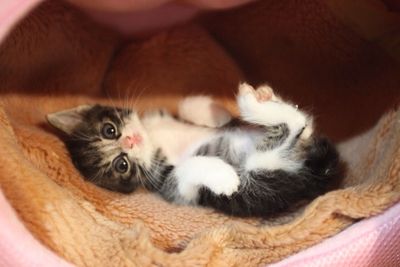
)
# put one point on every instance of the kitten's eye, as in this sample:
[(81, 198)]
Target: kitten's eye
[(108, 131), (120, 164)]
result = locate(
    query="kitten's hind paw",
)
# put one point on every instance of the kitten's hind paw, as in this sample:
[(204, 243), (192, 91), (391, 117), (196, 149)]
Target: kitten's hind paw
[(225, 183), (245, 88), (210, 172), (262, 94), (247, 99), (265, 93), (261, 106), (204, 111)]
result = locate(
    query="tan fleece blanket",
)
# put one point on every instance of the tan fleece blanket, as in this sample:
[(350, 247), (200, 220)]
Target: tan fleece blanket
[(89, 226)]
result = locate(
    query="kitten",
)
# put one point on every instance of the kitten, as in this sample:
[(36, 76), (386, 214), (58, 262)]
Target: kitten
[(262, 164)]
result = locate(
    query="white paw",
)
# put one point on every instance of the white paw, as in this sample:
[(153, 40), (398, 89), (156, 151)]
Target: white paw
[(246, 98), (223, 182), (202, 110), (245, 88), (210, 172), (265, 93)]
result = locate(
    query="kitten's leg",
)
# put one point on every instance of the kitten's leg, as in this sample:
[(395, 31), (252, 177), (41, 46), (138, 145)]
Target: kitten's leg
[(196, 172), (204, 111), (155, 116), (262, 107), (284, 122)]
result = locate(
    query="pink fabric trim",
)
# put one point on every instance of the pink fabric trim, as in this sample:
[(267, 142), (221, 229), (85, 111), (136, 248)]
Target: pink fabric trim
[(18, 248), (371, 242), (146, 22), (11, 11)]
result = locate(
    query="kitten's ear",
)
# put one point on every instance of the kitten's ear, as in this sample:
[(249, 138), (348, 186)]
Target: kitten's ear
[(67, 120)]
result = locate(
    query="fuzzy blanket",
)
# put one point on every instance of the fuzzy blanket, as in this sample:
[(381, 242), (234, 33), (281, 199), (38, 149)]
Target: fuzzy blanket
[(57, 58)]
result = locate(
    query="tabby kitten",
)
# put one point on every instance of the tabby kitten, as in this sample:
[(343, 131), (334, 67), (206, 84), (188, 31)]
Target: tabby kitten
[(262, 164)]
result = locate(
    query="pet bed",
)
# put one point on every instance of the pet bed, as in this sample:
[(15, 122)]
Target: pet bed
[(338, 59)]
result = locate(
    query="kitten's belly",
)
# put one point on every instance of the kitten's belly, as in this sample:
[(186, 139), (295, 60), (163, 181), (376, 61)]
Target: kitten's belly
[(177, 139), (243, 141)]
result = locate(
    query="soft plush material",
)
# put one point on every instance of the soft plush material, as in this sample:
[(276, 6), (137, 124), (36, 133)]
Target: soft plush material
[(370, 242), (320, 54)]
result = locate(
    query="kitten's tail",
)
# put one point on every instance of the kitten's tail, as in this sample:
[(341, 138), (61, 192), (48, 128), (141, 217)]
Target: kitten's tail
[(323, 164)]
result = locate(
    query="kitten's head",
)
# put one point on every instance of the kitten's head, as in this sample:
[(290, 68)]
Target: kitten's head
[(108, 145)]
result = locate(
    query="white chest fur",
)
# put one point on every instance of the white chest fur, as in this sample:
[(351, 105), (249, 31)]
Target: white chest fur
[(180, 140), (175, 138)]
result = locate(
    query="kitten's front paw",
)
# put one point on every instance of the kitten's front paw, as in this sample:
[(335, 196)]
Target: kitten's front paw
[(224, 181), (210, 172), (226, 188)]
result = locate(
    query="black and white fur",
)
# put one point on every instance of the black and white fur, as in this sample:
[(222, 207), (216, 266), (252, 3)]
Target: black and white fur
[(264, 164)]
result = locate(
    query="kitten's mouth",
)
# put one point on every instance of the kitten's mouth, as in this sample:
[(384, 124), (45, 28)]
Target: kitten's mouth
[(129, 142)]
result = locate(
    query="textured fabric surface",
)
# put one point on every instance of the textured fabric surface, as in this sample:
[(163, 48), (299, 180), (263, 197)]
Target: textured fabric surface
[(89, 226), (370, 242), (18, 247), (11, 11)]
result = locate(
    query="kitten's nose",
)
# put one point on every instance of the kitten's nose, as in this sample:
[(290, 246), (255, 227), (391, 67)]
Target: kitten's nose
[(131, 141)]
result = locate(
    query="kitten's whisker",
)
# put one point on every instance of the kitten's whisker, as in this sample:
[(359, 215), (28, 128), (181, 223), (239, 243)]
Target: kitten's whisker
[(99, 174), (79, 133), (127, 92), (115, 108), (81, 136), (126, 100), (157, 166), (141, 92), (151, 179), (136, 98)]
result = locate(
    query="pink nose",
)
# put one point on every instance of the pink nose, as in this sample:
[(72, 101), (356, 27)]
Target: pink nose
[(131, 141)]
